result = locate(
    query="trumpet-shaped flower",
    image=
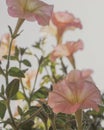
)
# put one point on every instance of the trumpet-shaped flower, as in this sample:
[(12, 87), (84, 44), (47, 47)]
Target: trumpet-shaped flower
[(30, 10), (75, 92), (60, 22), (4, 45), (66, 49), (65, 20)]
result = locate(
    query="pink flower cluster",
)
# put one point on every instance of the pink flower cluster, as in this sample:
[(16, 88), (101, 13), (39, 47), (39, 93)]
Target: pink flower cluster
[(77, 90)]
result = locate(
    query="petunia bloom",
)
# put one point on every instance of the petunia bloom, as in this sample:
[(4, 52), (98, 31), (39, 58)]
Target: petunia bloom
[(60, 22), (30, 10), (4, 45), (76, 91), (66, 49), (65, 19)]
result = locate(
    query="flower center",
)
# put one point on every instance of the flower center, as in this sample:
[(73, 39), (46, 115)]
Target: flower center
[(30, 5)]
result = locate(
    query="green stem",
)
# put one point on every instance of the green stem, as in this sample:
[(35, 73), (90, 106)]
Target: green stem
[(36, 78), (18, 25), (49, 75), (63, 66), (53, 123), (34, 85), (10, 113), (30, 118), (46, 127), (6, 77), (79, 117), (8, 61), (22, 84)]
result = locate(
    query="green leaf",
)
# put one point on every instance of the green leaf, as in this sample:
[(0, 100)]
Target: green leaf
[(31, 110), (19, 95), (40, 93), (26, 62), (20, 111), (16, 72), (12, 88), (2, 109), (10, 30), (24, 71), (16, 52), (11, 57), (2, 90), (1, 71), (22, 50)]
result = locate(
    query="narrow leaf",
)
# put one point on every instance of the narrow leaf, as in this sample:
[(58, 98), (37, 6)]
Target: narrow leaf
[(2, 110), (1, 71), (11, 57), (20, 111)]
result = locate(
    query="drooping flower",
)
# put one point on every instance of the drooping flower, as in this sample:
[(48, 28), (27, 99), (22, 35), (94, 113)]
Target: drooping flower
[(65, 20), (76, 91), (66, 49), (4, 45), (60, 22), (30, 10)]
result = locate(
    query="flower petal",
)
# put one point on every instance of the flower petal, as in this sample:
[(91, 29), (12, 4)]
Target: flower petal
[(30, 10), (74, 92)]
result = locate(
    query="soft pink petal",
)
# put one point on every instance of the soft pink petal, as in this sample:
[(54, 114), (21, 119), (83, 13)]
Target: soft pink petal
[(66, 49), (65, 107), (86, 73), (73, 76), (72, 47), (64, 20), (59, 104), (74, 92), (30, 10), (90, 104)]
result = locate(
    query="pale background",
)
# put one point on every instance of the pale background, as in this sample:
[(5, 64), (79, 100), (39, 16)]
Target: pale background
[(91, 14)]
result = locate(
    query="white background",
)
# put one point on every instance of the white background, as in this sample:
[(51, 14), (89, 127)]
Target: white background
[(91, 14)]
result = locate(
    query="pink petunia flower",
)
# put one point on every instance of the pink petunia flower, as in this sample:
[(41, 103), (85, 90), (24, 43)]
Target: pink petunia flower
[(4, 45), (66, 49), (60, 22), (76, 91), (64, 21), (30, 10)]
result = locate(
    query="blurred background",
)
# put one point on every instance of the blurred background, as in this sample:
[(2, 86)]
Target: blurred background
[(90, 12)]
